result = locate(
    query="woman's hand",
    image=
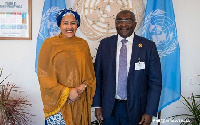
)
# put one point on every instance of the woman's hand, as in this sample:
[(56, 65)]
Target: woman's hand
[(81, 88), (73, 95)]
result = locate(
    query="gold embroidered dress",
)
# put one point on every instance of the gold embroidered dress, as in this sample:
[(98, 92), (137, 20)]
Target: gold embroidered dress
[(64, 64)]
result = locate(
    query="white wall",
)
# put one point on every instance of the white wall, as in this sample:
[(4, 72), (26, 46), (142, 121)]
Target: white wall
[(18, 56)]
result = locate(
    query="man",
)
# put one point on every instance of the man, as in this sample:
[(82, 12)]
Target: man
[(128, 74)]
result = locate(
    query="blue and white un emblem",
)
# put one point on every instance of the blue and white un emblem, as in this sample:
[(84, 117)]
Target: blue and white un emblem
[(162, 30), (48, 27)]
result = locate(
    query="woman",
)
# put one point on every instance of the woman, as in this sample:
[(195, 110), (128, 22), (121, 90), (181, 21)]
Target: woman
[(66, 74)]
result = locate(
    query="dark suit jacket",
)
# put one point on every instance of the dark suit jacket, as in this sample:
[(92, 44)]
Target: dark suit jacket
[(143, 86)]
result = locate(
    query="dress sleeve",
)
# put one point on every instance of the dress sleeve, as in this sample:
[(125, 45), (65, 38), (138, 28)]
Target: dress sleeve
[(54, 95), (88, 75)]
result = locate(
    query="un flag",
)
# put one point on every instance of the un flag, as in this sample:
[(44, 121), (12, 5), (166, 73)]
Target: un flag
[(160, 27), (48, 25)]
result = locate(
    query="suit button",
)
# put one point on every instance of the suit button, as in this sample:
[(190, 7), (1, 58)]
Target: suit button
[(113, 93)]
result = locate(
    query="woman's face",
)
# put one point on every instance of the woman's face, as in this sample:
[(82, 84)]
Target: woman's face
[(68, 26)]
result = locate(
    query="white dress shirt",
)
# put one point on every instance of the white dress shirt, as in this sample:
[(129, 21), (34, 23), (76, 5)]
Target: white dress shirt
[(129, 45)]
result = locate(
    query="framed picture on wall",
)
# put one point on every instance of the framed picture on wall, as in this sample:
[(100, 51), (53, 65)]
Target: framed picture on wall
[(15, 19)]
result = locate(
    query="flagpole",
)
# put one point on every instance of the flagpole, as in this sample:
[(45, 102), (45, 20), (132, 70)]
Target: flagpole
[(159, 117)]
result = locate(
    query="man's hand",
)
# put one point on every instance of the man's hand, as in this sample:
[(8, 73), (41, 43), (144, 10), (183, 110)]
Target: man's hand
[(98, 114), (146, 119)]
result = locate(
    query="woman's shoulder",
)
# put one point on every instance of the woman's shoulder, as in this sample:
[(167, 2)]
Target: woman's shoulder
[(50, 40), (81, 40)]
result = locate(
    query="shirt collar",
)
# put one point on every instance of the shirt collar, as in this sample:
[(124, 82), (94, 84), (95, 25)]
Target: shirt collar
[(130, 38)]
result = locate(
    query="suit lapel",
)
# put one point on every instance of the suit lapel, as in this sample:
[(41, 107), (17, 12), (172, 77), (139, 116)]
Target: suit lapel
[(135, 54)]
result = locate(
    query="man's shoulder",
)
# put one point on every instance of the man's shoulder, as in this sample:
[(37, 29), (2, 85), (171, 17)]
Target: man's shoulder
[(144, 40), (110, 38)]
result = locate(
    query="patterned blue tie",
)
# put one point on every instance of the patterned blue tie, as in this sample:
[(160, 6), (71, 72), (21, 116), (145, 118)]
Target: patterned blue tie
[(122, 73)]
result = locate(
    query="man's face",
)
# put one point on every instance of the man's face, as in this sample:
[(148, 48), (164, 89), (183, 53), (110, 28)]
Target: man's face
[(125, 24), (68, 26)]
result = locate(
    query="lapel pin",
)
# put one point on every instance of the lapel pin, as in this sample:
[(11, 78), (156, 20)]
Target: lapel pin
[(140, 45)]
